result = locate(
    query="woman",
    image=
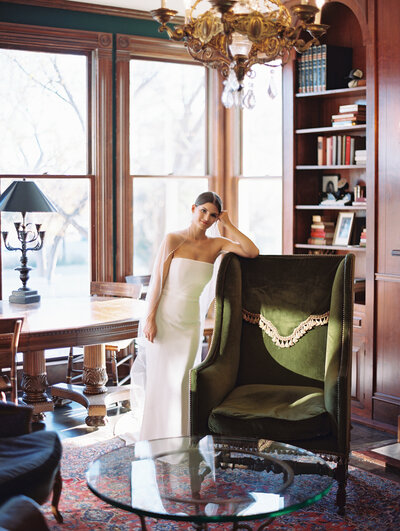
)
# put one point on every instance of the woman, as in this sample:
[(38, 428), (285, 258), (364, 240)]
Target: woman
[(173, 326)]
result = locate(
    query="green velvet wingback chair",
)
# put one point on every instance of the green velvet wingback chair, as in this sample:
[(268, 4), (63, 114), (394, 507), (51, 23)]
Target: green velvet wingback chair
[(279, 365)]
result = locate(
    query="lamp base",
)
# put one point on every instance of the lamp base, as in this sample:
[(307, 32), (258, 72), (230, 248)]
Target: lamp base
[(24, 296)]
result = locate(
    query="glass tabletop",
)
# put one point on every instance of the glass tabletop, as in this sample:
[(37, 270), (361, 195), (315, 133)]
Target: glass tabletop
[(209, 479)]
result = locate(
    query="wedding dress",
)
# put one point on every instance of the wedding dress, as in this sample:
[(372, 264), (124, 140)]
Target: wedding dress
[(176, 350)]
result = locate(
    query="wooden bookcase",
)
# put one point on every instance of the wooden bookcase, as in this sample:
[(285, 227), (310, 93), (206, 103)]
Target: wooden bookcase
[(307, 116)]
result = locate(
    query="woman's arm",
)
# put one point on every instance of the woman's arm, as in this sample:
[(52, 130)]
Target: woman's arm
[(242, 245), (158, 278)]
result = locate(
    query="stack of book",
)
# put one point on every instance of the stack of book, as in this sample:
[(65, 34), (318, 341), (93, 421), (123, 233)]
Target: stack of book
[(360, 157), (322, 231), (363, 238), (352, 114)]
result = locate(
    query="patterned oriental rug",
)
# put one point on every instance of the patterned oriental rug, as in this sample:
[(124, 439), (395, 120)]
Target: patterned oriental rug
[(373, 503)]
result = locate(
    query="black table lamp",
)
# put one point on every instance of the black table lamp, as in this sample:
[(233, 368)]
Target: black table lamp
[(25, 196)]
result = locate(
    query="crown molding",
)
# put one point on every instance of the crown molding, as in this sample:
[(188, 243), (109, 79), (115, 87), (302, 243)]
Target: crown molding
[(85, 7)]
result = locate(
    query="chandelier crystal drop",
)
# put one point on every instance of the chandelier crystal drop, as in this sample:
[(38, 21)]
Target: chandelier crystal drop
[(234, 35)]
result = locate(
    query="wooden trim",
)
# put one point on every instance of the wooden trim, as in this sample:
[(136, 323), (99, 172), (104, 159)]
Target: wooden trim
[(43, 38), (124, 184), (288, 89), (102, 127), (157, 49), (215, 137), (389, 399), (384, 277), (87, 8)]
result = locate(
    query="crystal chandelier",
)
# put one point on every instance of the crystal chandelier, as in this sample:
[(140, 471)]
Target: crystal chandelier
[(234, 35)]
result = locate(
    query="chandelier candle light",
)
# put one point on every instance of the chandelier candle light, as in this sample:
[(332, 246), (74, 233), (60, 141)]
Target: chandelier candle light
[(234, 35), (25, 196)]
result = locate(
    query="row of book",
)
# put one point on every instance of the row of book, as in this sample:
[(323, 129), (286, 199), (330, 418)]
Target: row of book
[(349, 115), (323, 67), (322, 231), (339, 150)]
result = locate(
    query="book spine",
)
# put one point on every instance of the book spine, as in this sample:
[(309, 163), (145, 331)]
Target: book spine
[(343, 150), (334, 150), (319, 78), (348, 149), (323, 67), (352, 148), (339, 150), (314, 68), (320, 152), (307, 63), (352, 107), (329, 142)]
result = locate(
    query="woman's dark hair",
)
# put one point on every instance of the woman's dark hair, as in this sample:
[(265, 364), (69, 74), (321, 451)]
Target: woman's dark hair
[(209, 197)]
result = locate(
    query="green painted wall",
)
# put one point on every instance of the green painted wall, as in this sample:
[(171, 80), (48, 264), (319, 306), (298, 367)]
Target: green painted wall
[(64, 18)]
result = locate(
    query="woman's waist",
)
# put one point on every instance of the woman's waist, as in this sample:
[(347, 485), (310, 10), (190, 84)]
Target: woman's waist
[(181, 295)]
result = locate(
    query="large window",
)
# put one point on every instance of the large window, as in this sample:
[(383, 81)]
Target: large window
[(168, 155), (260, 182), (43, 126)]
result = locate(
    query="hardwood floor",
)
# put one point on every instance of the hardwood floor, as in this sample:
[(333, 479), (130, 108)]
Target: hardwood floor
[(69, 421)]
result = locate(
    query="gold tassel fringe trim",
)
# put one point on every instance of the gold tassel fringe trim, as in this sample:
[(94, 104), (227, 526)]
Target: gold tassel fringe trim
[(285, 341)]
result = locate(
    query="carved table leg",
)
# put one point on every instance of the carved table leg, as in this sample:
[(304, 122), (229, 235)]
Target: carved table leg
[(34, 383), (94, 379)]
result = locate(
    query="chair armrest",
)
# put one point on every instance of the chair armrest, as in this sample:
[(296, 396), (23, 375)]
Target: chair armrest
[(210, 383), (14, 420), (21, 513)]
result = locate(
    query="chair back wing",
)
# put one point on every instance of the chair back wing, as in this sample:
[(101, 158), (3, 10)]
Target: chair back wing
[(337, 391)]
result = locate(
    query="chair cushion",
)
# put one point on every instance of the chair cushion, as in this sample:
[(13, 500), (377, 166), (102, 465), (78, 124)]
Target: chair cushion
[(273, 412), (28, 465)]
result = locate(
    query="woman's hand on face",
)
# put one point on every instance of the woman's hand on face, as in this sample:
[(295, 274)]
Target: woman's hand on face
[(150, 329), (224, 218)]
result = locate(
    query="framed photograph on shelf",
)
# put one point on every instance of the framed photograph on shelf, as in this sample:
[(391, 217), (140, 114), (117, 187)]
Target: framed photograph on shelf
[(330, 183), (343, 228)]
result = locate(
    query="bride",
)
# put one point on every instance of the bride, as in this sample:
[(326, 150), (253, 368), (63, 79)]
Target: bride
[(177, 305)]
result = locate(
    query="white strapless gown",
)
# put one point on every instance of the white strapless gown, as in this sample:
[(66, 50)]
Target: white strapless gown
[(176, 349)]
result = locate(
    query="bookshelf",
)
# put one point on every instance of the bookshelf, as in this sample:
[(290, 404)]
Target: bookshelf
[(308, 118)]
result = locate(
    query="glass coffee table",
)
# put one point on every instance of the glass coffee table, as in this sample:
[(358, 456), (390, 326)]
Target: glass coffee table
[(210, 480)]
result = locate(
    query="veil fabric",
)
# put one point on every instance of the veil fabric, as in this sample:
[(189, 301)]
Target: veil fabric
[(168, 247)]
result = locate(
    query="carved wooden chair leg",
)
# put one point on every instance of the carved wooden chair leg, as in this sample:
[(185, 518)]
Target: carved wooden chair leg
[(341, 477), (57, 487), (70, 365), (111, 356)]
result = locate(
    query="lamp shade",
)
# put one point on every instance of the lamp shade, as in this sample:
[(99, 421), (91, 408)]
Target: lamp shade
[(25, 196)]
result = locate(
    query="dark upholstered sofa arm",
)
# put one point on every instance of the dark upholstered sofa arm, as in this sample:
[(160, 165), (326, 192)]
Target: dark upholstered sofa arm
[(14, 420)]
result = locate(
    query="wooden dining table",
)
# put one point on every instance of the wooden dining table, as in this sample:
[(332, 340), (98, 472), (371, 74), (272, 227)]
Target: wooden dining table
[(88, 322)]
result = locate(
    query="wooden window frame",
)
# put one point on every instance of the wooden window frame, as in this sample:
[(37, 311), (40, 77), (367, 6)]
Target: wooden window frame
[(97, 46), (135, 47)]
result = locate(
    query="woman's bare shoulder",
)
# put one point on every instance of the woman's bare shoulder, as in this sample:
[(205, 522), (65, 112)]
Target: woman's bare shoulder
[(174, 239)]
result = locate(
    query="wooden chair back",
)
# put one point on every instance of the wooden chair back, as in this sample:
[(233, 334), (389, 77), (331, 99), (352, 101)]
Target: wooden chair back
[(144, 280), (10, 330), (116, 289)]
